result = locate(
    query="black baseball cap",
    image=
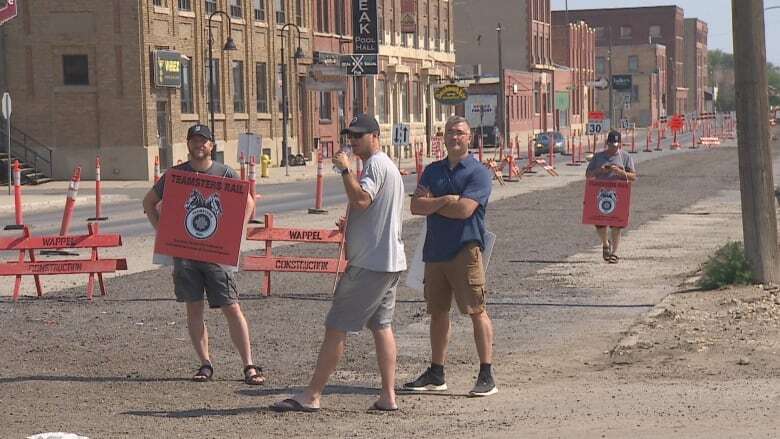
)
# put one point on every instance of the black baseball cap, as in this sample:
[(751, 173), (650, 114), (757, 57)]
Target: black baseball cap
[(199, 130), (362, 124), (613, 137)]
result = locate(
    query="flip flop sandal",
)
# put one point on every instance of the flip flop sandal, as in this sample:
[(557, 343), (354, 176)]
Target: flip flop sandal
[(605, 253), (204, 373), (291, 405), (253, 379), (613, 259)]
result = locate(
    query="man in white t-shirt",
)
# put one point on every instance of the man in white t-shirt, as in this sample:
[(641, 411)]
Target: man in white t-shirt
[(365, 295)]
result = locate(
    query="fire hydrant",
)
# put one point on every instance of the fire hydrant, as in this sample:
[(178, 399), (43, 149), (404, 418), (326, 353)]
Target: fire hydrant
[(265, 162)]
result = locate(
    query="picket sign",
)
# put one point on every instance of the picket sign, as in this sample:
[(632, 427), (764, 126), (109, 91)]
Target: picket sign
[(606, 203), (267, 263), (27, 245)]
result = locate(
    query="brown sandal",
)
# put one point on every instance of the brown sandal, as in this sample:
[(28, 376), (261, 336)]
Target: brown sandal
[(613, 259), (204, 373), (253, 379)]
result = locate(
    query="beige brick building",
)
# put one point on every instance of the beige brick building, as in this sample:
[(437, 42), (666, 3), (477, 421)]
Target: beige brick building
[(81, 76), (645, 64), (696, 64)]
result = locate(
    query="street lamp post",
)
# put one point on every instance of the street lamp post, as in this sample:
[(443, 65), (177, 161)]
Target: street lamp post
[(285, 101), (229, 45), (502, 90)]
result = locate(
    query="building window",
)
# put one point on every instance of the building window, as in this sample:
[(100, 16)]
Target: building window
[(187, 106), (601, 65), (436, 38), (281, 14), (634, 94), (211, 6), (280, 70), (261, 84), (323, 24), (236, 11), (325, 106), (625, 31), (446, 40), (380, 107), (416, 102), (633, 63), (340, 19), (655, 31), (299, 13), (259, 10), (239, 101), (217, 98), (155, 2), (403, 92), (75, 69), (357, 95), (601, 33), (185, 5)]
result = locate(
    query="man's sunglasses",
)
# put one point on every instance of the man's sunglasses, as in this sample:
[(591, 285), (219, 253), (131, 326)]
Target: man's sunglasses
[(355, 135)]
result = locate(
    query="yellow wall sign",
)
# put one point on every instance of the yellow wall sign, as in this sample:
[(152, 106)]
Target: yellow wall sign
[(450, 94), (167, 68)]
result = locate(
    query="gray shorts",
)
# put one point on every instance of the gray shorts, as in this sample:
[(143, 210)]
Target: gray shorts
[(192, 278), (363, 299)]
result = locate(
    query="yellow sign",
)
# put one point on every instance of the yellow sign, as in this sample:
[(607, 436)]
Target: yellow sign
[(450, 94)]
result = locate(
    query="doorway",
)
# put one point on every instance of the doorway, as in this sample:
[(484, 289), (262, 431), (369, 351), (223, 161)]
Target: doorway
[(164, 134)]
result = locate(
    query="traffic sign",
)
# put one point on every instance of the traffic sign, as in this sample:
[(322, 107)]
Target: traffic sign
[(401, 133), (676, 123), (596, 115), (601, 84), (595, 127), (359, 65), (7, 10), (6, 105)]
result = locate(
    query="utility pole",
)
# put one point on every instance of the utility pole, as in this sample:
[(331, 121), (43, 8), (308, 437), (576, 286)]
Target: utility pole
[(759, 222), (503, 126)]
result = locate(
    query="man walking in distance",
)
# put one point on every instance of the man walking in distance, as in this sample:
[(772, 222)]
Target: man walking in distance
[(365, 295), (611, 164), (192, 278), (453, 193)]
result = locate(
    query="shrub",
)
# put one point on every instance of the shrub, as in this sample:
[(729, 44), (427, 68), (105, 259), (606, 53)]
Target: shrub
[(728, 266)]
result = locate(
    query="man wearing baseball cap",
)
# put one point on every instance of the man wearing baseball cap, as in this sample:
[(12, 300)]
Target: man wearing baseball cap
[(192, 278), (611, 164), (365, 295)]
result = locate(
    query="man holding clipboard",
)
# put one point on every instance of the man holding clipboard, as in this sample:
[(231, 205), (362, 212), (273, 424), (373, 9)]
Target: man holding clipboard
[(195, 228)]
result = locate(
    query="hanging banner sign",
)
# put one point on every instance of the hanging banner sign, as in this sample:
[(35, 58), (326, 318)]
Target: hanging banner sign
[(607, 203), (408, 16), (202, 217), (450, 94), (364, 25), (167, 68)]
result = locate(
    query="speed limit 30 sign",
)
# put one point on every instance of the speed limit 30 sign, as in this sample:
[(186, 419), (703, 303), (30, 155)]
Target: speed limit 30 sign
[(7, 10)]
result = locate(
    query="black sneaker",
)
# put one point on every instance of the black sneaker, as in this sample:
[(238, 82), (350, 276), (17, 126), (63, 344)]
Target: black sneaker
[(485, 385), (428, 381)]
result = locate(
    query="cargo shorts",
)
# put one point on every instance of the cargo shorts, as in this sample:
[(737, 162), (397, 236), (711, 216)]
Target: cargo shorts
[(191, 279), (462, 277)]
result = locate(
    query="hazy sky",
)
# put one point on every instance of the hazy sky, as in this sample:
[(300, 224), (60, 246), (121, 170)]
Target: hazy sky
[(717, 14)]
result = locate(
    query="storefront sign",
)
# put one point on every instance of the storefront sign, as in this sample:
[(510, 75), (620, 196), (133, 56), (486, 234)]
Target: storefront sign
[(364, 25), (167, 68), (451, 94)]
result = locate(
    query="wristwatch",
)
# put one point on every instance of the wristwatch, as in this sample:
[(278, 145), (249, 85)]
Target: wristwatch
[(345, 171)]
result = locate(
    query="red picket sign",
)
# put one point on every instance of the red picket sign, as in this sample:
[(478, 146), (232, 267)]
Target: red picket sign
[(607, 203), (202, 217)]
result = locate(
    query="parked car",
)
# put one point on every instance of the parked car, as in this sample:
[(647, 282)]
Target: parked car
[(542, 142)]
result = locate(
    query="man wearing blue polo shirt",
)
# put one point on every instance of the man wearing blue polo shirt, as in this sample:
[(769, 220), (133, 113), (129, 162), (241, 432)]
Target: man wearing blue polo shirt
[(453, 194)]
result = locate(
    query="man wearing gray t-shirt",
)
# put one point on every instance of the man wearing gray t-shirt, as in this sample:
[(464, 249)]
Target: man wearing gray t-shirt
[(365, 295), (611, 164)]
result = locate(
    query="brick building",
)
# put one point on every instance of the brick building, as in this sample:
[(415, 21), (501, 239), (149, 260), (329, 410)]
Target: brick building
[(411, 65), (641, 26), (640, 101), (82, 73), (696, 64), (530, 78), (574, 46)]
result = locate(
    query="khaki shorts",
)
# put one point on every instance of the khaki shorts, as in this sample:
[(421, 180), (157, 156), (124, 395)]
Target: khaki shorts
[(462, 276)]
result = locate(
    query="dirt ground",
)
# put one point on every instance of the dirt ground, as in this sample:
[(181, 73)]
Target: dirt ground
[(583, 349)]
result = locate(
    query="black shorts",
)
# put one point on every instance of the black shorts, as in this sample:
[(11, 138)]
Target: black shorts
[(191, 279)]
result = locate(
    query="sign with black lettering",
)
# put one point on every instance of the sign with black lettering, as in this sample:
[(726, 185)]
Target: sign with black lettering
[(364, 27), (360, 65), (167, 68)]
